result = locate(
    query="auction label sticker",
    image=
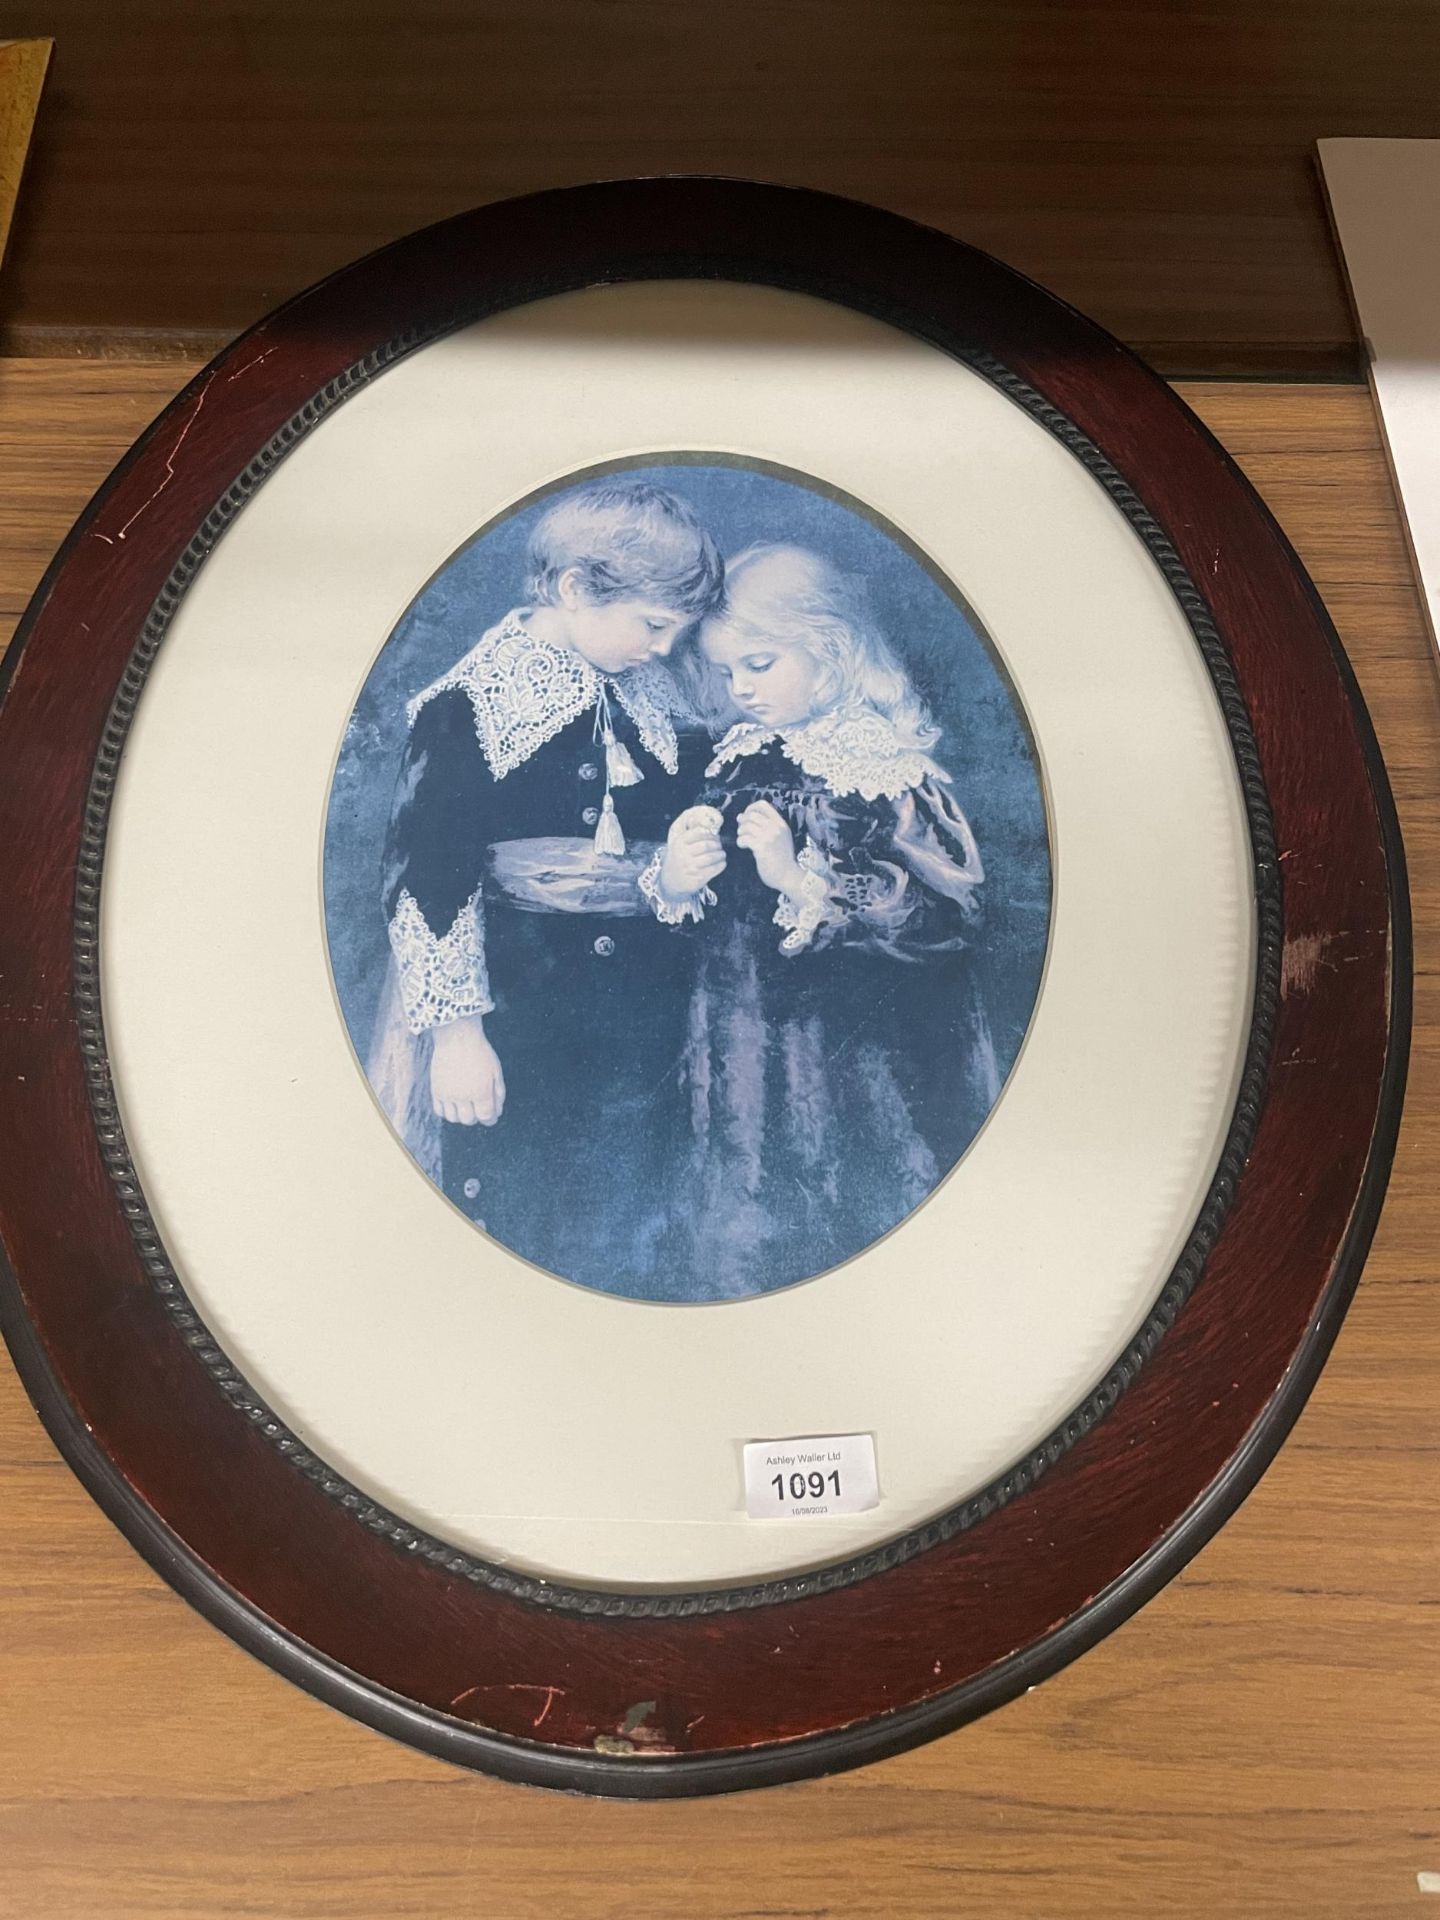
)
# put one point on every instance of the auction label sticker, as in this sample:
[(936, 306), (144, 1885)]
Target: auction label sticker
[(819, 1477)]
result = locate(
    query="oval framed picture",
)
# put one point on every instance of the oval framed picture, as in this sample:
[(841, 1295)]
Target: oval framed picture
[(705, 988)]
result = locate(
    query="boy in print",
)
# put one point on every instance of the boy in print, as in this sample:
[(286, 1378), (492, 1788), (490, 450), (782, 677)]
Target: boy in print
[(534, 1016)]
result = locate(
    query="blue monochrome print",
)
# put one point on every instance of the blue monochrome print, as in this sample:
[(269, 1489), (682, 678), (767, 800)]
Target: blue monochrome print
[(687, 881)]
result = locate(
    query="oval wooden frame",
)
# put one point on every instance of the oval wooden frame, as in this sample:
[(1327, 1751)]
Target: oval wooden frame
[(663, 1701)]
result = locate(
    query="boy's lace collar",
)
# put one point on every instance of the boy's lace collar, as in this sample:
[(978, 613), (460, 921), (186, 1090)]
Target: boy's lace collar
[(852, 751), (524, 691)]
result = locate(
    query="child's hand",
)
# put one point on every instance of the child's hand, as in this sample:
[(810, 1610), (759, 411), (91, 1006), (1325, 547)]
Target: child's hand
[(466, 1081), (764, 834), (693, 853)]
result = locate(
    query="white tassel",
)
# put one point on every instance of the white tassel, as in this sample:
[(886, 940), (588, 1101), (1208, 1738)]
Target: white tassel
[(620, 769), (609, 835)]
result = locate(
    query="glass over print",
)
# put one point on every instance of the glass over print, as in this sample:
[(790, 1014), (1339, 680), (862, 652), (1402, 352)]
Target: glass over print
[(890, 490), (687, 878)]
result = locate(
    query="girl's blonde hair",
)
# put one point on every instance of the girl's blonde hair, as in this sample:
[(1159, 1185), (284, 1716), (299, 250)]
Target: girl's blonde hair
[(781, 593)]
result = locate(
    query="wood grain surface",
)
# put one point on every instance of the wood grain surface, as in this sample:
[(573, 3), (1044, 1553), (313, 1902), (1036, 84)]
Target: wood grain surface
[(1150, 163), (22, 74), (1262, 1739)]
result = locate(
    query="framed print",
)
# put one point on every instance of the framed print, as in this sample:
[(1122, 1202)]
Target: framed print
[(705, 987), (729, 1122)]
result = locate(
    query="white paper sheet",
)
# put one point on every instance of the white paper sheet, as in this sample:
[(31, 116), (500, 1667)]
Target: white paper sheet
[(1385, 203)]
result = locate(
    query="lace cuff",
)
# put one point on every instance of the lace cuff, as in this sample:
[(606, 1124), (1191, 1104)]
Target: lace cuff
[(817, 904), (672, 912), (440, 979)]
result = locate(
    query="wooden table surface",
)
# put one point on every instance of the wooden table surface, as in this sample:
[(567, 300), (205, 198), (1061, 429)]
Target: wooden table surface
[(1263, 1739)]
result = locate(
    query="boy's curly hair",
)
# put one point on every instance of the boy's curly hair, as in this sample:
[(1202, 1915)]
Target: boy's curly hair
[(627, 539)]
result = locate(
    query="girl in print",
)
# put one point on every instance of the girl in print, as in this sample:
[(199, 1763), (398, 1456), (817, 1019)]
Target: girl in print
[(836, 1061)]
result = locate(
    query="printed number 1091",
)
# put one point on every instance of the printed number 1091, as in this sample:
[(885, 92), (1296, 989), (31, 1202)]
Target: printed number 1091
[(801, 1484)]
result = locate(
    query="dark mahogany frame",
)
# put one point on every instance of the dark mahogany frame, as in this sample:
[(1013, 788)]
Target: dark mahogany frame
[(698, 1698)]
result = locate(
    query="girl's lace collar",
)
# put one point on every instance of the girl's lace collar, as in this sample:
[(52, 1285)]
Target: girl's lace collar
[(524, 691), (852, 751)]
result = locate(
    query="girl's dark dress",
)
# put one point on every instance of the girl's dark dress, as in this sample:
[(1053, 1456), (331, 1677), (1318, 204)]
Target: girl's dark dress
[(499, 903), (836, 1060)]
